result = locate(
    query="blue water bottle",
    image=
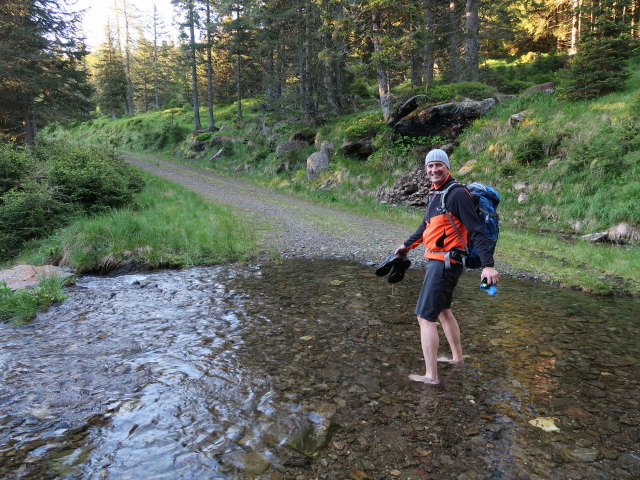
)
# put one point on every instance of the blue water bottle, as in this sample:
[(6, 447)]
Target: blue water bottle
[(490, 289)]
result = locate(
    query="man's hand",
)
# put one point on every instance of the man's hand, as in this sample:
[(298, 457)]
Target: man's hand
[(402, 249), (490, 274)]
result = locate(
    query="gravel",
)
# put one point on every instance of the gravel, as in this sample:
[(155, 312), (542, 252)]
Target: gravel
[(297, 228)]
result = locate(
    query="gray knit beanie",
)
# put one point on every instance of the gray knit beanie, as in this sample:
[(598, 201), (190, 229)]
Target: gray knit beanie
[(437, 155)]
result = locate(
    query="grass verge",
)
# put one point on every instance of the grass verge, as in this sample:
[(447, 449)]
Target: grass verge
[(21, 306), (169, 226), (600, 268)]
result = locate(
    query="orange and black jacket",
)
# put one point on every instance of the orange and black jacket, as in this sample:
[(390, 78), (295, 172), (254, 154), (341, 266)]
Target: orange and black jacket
[(438, 235)]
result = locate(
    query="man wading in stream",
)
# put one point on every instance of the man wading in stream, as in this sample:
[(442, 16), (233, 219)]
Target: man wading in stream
[(444, 265)]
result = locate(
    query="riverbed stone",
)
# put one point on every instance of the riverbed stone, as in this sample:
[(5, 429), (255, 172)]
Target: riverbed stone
[(584, 454)]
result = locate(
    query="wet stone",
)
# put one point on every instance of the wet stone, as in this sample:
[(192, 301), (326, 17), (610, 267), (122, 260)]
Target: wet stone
[(584, 454), (630, 461)]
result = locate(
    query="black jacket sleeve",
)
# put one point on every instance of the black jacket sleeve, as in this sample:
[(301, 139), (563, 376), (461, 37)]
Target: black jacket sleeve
[(462, 207), (417, 235)]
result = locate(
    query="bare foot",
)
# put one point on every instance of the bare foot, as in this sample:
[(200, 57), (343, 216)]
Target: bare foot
[(450, 360), (423, 379)]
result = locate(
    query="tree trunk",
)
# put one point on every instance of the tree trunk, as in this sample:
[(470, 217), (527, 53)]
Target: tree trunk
[(194, 73), (305, 66), (472, 42), (575, 13), (238, 86), (382, 76), (454, 44), (429, 43), (28, 124), (156, 99), (212, 125), (127, 62)]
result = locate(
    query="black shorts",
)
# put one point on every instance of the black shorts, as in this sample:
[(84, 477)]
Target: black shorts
[(437, 289)]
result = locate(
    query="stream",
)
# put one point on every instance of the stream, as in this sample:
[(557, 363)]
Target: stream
[(298, 370)]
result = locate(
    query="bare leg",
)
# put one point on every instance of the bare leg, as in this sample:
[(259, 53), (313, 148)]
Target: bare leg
[(452, 332), (430, 340)]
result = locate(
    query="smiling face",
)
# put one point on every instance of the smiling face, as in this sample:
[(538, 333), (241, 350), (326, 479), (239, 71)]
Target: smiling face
[(437, 172)]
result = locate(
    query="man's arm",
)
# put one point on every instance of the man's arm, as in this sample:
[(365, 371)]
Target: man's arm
[(469, 218)]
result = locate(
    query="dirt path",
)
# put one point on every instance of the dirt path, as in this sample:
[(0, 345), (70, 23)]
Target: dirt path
[(299, 228)]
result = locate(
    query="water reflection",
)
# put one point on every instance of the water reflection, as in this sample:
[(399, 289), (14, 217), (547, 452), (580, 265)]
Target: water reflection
[(299, 369)]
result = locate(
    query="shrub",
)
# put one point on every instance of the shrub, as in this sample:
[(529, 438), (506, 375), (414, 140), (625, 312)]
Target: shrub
[(14, 165), (204, 136), (529, 150), (93, 178), (451, 91), (599, 68), (515, 86), (33, 212), (359, 88), (366, 126), (634, 106)]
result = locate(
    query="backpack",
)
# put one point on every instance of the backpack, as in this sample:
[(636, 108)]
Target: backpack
[(486, 200)]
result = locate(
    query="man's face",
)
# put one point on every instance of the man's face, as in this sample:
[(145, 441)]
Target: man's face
[(437, 172)]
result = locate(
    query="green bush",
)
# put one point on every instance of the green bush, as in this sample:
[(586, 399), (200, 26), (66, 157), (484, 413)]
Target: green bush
[(359, 88), (365, 126), (634, 106), (32, 212), (451, 91), (91, 177), (14, 166), (529, 150), (608, 146), (599, 68), (515, 86), (204, 136), (171, 134)]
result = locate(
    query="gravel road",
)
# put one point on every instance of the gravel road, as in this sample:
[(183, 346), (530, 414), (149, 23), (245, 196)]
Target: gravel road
[(299, 228)]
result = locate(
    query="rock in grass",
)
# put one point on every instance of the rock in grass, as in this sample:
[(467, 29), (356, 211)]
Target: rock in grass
[(25, 276)]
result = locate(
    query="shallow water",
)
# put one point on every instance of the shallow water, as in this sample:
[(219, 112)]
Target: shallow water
[(298, 369)]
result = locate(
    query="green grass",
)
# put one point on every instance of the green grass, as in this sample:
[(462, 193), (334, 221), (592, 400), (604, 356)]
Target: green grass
[(21, 306), (169, 227), (601, 269)]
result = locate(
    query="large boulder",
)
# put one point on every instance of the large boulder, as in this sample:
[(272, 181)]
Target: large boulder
[(547, 87), (446, 120), (26, 276), (405, 108), (318, 162), (360, 148), (290, 146)]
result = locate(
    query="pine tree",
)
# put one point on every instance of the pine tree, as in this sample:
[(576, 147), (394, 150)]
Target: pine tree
[(41, 67), (600, 66), (111, 78)]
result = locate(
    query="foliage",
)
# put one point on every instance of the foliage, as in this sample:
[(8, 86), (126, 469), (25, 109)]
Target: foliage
[(204, 136), (22, 306), (41, 73), (364, 126), (528, 151), (31, 212), (95, 179), (15, 164), (452, 91), (55, 183), (404, 146), (600, 66), (169, 226)]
